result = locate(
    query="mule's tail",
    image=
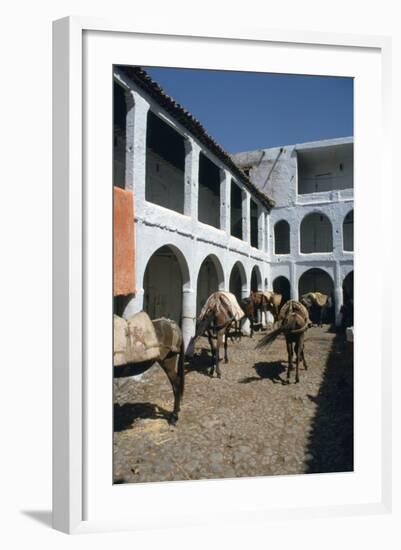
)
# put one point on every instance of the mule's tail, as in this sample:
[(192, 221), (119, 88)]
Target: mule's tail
[(200, 329), (270, 337), (181, 370)]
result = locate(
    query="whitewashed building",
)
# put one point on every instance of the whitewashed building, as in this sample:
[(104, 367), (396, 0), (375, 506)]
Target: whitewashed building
[(310, 228), (204, 222)]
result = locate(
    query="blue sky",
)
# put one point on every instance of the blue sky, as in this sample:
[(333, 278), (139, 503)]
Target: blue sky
[(244, 111)]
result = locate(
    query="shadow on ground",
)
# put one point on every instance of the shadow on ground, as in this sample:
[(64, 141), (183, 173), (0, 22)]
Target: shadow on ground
[(331, 442), (126, 415), (271, 371), (200, 362)]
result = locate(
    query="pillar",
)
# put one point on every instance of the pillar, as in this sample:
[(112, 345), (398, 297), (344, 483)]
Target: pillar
[(261, 229), (246, 215), (192, 151), (293, 281), (135, 171), (188, 315), (338, 293), (225, 198), (245, 324), (135, 177)]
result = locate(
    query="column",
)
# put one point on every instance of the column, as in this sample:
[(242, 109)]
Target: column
[(245, 324), (246, 214), (338, 293), (261, 229), (135, 177), (188, 315), (225, 197), (293, 281), (267, 228), (295, 228), (192, 151), (135, 172)]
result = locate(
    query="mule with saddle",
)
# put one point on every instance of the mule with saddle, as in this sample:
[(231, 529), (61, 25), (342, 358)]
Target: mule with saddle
[(319, 306), (220, 313), (293, 322), (139, 343), (258, 304)]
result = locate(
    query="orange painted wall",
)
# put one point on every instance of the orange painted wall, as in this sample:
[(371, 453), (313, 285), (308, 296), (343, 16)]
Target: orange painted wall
[(124, 242)]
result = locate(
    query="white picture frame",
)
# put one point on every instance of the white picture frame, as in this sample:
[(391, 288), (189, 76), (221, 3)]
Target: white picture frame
[(73, 411)]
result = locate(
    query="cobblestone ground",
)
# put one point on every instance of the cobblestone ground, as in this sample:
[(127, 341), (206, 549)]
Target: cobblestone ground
[(248, 423)]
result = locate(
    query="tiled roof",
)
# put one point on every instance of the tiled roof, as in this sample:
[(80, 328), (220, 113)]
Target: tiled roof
[(154, 90)]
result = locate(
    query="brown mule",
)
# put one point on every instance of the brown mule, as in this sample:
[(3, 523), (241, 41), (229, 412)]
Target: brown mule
[(171, 358)]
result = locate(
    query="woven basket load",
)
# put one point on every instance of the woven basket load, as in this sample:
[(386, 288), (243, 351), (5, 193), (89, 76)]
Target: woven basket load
[(222, 300), (295, 306), (120, 340), (140, 337), (318, 298), (169, 335)]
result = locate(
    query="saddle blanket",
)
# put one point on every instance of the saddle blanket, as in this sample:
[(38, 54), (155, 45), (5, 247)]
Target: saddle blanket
[(294, 306), (135, 340), (319, 298), (225, 300)]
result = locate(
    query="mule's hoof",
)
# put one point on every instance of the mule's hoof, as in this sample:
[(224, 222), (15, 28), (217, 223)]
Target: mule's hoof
[(219, 375), (173, 419), (226, 361)]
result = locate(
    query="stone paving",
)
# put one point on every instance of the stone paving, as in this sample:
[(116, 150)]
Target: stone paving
[(248, 423)]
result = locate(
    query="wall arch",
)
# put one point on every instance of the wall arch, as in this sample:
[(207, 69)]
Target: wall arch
[(282, 237), (281, 285), (317, 280), (256, 279), (348, 287), (237, 284), (210, 279), (316, 233), (165, 277), (348, 232)]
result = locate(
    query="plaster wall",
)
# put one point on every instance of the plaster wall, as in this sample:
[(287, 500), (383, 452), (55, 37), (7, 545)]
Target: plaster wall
[(164, 182)]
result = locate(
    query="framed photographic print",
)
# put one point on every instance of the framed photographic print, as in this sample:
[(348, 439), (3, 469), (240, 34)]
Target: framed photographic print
[(204, 298)]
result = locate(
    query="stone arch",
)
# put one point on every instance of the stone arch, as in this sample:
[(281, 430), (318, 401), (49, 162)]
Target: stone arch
[(316, 233), (348, 232), (348, 287), (210, 279), (282, 237), (282, 286), (317, 280), (166, 276), (256, 279), (237, 284)]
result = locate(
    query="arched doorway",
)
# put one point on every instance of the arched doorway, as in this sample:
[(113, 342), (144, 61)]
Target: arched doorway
[(348, 232), (316, 234), (282, 237), (347, 312), (165, 276), (281, 285), (210, 279), (317, 280), (348, 287), (256, 279), (237, 280)]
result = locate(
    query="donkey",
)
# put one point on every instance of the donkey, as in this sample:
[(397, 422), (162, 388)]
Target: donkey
[(219, 313), (319, 303), (171, 358), (293, 323)]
